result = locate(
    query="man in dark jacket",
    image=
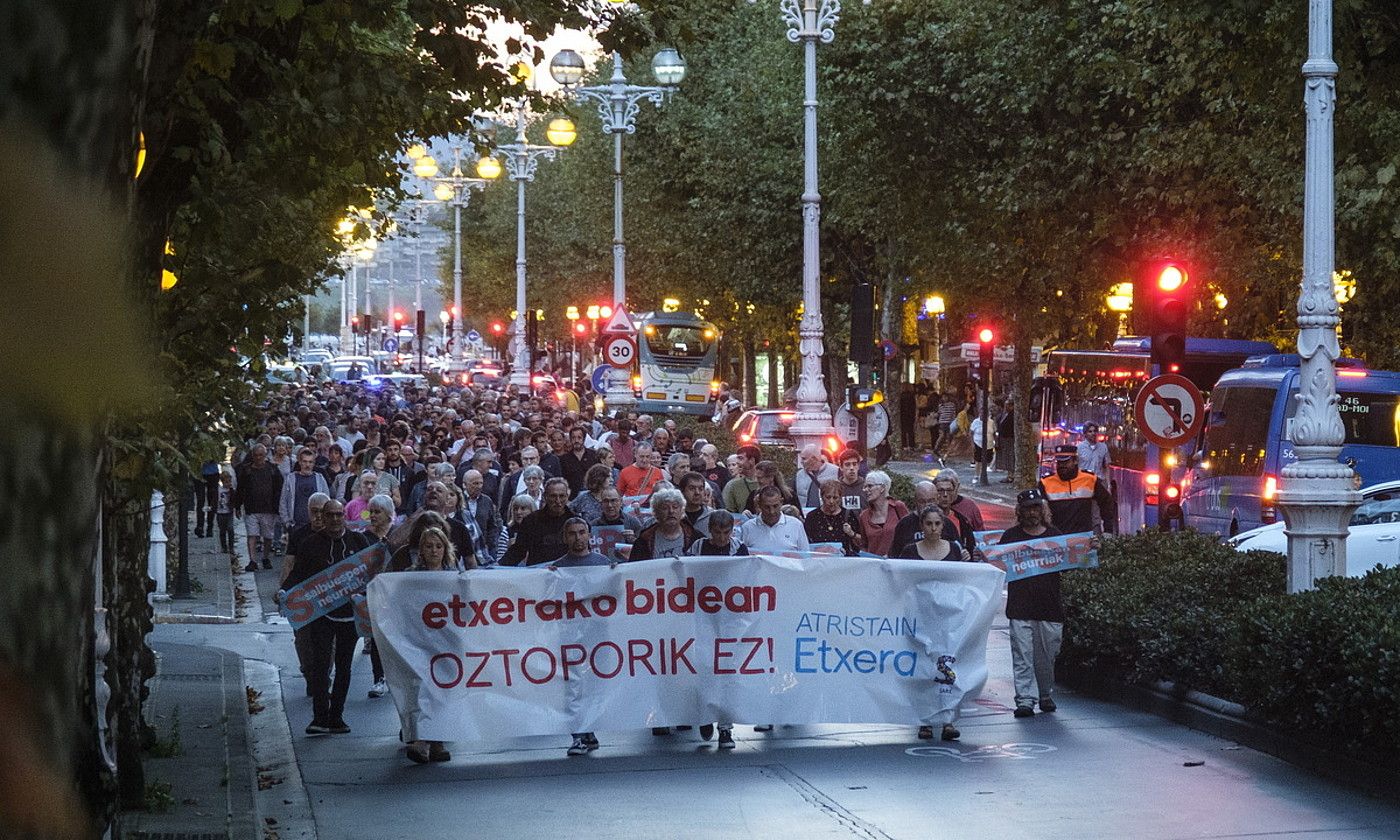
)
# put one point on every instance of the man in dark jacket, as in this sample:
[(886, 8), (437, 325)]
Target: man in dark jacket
[(330, 639), (1035, 612), (541, 534), (574, 463), (257, 495), (478, 505)]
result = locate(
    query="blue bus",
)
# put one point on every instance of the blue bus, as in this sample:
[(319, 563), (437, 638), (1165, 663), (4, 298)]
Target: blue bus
[(1098, 386), (676, 357), (1231, 473)]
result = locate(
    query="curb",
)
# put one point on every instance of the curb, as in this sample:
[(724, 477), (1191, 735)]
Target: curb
[(1231, 721), (283, 807)]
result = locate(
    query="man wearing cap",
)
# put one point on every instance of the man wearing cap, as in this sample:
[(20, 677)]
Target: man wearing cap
[(1035, 612), (1079, 501), (1093, 452)]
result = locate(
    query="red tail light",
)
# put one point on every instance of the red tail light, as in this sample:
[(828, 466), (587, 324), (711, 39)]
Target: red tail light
[(1151, 484), (1268, 513), (833, 444)]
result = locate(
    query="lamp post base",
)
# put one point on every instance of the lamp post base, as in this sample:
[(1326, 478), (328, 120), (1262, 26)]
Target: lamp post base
[(1316, 515), (812, 426), (619, 396)]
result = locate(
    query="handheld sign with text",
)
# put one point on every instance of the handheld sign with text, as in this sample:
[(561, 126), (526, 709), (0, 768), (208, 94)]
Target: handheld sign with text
[(1026, 559), (333, 586)]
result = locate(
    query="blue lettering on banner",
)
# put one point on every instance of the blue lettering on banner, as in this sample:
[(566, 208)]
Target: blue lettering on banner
[(817, 656), (857, 625), (1042, 556)]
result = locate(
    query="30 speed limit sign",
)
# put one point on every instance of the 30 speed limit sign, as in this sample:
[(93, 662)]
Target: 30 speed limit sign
[(620, 350)]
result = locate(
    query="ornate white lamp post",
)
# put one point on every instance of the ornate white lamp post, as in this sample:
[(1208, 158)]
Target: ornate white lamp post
[(810, 21), (618, 102), (454, 190), (522, 160), (1316, 492)]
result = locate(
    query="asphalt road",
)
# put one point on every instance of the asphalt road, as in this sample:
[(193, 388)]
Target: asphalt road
[(1089, 770)]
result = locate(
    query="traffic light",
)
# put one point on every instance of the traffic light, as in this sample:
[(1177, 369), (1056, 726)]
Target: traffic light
[(368, 321), (398, 320), (1162, 310), (986, 349), (865, 398), (532, 330), (498, 329), (421, 325), (355, 324), (580, 329)]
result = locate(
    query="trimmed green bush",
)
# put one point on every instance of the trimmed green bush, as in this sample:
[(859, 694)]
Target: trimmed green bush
[(1326, 662), (1184, 608)]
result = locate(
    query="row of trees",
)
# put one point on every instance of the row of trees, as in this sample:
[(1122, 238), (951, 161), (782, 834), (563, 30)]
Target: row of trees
[(1018, 157)]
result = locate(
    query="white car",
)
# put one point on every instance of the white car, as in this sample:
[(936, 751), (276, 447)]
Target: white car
[(1374, 537)]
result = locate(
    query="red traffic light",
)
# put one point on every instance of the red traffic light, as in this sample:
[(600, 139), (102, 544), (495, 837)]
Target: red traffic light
[(398, 318), (1171, 277), (498, 328), (986, 335), (605, 311), (581, 329)]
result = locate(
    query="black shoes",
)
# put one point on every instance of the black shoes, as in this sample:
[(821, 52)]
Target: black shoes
[(707, 731), (658, 731), (338, 727), (950, 732), (1024, 712), (1047, 704), (317, 728), (925, 733), (726, 739)]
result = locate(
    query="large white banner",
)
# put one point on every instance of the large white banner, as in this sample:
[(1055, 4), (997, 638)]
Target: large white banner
[(822, 639)]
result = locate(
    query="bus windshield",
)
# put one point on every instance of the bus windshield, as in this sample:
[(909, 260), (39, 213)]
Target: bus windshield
[(1368, 419), (679, 340)]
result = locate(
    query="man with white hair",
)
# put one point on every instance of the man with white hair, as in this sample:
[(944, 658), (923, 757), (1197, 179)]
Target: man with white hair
[(813, 469), (670, 535)]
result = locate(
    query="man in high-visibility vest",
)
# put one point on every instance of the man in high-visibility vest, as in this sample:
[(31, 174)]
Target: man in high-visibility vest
[(1079, 501)]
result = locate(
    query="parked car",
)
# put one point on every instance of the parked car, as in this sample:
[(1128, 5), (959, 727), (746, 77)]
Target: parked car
[(765, 426), (1374, 537)]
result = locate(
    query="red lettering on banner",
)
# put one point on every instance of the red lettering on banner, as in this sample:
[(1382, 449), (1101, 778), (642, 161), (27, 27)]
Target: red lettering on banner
[(435, 615), (574, 608), (505, 654), (678, 656), (525, 665), (721, 653), (549, 610), (604, 605), (478, 614), (633, 645), (593, 659), (568, 661), (482, 659), (432, 670), (456, 606), (753, 651), (523, 603), (502, 611), (710, 599)]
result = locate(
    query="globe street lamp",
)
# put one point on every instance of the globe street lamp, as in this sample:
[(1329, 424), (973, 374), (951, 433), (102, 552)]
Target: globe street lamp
[(454, 189), (618, 103), (810, 21), (1316, 492), (522, 159)]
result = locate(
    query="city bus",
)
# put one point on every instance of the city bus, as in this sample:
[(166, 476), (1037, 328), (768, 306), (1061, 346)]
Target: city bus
[(1098, 386), (676, 357), (1230, 481)]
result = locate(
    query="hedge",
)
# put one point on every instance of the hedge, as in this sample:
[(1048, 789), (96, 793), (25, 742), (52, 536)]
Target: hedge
[(1184, 608)]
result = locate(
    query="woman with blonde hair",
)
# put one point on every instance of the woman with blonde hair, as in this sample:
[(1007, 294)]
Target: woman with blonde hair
[(433, 553)]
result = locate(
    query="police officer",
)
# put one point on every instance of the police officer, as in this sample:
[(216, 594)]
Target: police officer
[(1079, 501)]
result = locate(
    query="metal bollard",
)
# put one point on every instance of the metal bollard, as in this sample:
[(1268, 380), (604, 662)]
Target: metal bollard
[(155, 562)]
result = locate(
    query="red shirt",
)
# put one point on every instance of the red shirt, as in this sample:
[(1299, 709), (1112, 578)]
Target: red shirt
[(638, 481)]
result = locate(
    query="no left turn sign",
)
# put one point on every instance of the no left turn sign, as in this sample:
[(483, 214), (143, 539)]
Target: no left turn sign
[(620, 350), (1169, 410)]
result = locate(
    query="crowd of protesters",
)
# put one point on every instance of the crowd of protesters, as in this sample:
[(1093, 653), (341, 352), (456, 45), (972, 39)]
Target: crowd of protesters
[(463, 479)]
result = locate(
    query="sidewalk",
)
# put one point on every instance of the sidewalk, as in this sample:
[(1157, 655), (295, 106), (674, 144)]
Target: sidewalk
[(199, 771), (218, 592)]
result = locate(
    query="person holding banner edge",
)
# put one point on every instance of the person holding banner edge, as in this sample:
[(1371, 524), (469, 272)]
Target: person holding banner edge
[(932, 545), (1035, 612), (432, 553)]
